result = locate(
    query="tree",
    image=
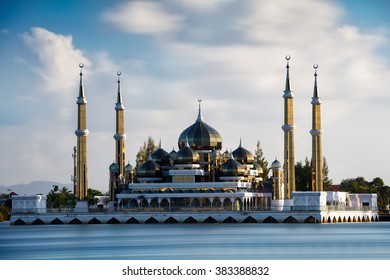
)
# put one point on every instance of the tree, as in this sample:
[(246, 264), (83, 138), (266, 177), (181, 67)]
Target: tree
[(260, 159), (145, 151), (4, 213), (60, 198), (91, 193), (325, 173), (303, 175)]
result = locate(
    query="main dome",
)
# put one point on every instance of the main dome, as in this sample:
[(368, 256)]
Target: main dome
[(200, 135)]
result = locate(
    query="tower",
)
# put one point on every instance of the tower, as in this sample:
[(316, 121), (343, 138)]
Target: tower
[(120, 135), (288, 128), (317, 177), (81, 133), (117, 169), (277, 180)]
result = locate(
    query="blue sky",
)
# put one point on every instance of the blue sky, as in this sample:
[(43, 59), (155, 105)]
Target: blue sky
[(230, 53)]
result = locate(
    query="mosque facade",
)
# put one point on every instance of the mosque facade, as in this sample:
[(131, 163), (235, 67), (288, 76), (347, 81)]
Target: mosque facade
[(199, 182)]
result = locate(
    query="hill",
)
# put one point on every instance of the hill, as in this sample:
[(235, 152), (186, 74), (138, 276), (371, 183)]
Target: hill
[(35, 187)]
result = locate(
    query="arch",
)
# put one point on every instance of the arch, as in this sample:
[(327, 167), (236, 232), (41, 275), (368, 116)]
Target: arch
[(164, 203), (190, 220), (56, 221), (237, 204), (132, 220), (113, 220), (329, 220), (323, 220), (249, 219), (227, 204), (19, 222), (151, 220), (230, 220), (133, 203), (216, 202), (210, 220), (38, 222), (290, 220), (206, 202), (270, 219), (344, 220), (354, 220), (334, 220), (171, 220), (154, 203), (339, 220), (143, 203), (75, 221), (195, 202), (349, 219), (358, 219), (311, 219), (94, 221)]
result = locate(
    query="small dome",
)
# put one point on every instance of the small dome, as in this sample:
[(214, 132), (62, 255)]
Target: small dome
[(172, 154), (129, 168), (258, 167), (276, 164), (160, 156), (243, 156), (186, 155), (114, 167), (149, 169), (232, 168), (200, 135)]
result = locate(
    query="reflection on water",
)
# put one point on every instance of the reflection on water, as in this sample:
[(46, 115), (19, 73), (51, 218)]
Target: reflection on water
[(196, 241)]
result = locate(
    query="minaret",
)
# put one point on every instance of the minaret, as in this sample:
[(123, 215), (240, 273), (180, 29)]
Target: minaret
[(288, 128), (317, 181), (120, 135), (81, 133), (277, 180)]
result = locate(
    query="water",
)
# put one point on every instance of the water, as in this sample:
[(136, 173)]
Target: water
[(351, 241)]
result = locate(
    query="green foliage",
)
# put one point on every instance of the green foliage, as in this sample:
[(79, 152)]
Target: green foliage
[(60, 198), (360, 185), (90, 195), (325, 173), (303, 175), (4, 213), (260, 159), (145, 151)]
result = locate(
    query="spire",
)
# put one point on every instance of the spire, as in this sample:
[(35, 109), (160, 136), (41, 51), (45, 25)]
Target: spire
[(287, 89), (119, 104), (159, 144), (315, 98), (200, 117), (240, 146), (81, 98)]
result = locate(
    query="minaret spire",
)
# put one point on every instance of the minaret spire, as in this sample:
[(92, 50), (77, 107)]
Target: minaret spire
[(288, 128), (81, 132), (200, 117), (119, 137), (316, 133)]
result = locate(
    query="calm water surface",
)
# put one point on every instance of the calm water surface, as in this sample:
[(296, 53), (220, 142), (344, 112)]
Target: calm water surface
[(196, 241)]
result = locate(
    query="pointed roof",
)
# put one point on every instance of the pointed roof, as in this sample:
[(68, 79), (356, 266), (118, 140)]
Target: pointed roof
[(119, 103), (315, 99), (81, 98), (287, 88)]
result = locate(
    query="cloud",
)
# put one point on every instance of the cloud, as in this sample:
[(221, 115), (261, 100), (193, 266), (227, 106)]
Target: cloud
[(143, 17), (57, 56), (235, 55)]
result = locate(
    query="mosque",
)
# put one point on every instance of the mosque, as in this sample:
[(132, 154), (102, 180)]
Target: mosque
[(199, 183)]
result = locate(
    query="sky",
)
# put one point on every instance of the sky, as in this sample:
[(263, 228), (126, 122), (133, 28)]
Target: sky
[(229, 53)]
